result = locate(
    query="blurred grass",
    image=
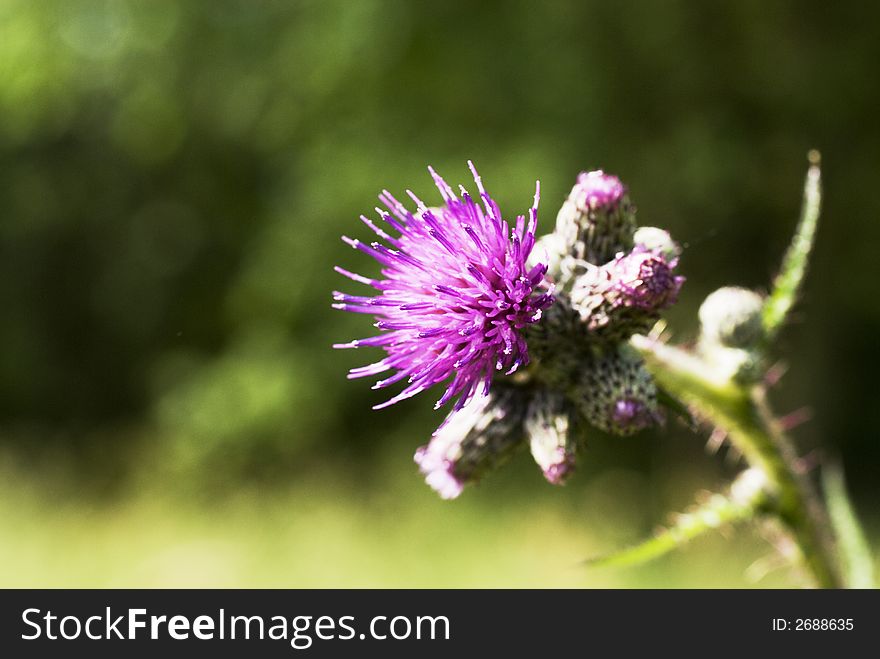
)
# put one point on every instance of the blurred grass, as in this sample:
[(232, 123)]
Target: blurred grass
[(322, 533), (174, 178)]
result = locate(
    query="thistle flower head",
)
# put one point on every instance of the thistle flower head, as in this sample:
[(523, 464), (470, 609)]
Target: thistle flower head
[(472, 440), (597, 219), (454, 295)]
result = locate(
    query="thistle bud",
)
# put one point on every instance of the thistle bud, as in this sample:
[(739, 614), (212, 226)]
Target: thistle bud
[(548, 429), (658, 241), (597, 219), (626, 295), (473, 440), (731, 317), (617, 394)]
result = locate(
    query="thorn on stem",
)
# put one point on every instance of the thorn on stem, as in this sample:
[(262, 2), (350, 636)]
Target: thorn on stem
[(810, 461), (794, 419), (775, 373), (716, 439)]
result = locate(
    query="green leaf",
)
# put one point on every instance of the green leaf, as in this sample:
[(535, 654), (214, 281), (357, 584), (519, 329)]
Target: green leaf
[(854, 551), (794, 265), (718, 510)]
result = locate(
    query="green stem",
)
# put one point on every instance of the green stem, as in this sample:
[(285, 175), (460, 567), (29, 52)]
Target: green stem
[(800, 507), (744, 415), (788, 282)]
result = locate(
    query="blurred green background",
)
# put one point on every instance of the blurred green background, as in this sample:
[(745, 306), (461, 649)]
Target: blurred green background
[(174, 178)]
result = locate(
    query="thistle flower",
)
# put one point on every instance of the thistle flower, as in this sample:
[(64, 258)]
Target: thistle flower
[(473, 440), (455, 294), (548, 429), (617, 394), (626, 295), (597, 220)]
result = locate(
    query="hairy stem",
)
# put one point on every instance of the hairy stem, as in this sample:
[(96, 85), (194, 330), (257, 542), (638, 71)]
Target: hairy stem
[(800, 507), (744, 415), (788, 282)]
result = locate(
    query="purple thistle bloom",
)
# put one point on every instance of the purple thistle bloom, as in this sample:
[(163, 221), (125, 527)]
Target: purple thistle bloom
[(454, 296)]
